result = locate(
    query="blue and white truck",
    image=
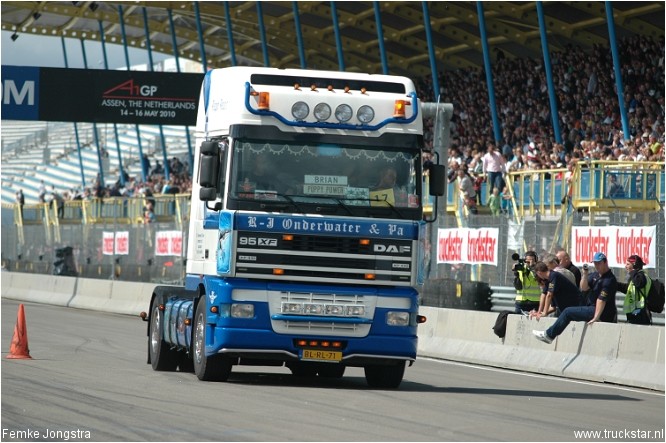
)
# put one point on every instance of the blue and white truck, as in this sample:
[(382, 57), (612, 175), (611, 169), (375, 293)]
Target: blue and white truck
[(307, 229)]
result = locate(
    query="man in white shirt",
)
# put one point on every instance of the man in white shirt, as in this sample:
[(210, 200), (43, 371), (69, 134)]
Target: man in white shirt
[(493, 167)]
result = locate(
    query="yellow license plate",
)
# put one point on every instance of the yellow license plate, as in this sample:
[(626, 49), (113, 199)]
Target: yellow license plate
[(319, 355)]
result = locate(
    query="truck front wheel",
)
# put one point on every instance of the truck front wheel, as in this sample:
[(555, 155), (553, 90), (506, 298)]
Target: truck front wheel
[(215, 367), (386, 377), (162, 357)]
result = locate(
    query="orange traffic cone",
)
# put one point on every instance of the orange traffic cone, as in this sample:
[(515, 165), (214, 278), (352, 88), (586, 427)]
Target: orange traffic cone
[(19, 346)]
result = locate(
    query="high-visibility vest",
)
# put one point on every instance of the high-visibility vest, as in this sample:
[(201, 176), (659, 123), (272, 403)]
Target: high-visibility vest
[(635, 299), (531, 290)]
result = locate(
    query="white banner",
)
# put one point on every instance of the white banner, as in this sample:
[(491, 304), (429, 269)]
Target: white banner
[(617, 242), (467, 245), (169, 243), (115, 243)]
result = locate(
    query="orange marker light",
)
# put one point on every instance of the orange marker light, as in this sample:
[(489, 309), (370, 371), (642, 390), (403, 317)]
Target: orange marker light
[(297, 86), (364, 241), (399, 108), (287, 237), (264, 101), (213, 309), (187, 321), (330, 87), (278, 271), (363, 90), (347, 90), (369, 276)]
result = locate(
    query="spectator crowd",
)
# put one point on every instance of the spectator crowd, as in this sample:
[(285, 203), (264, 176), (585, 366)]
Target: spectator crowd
[(588, 111)]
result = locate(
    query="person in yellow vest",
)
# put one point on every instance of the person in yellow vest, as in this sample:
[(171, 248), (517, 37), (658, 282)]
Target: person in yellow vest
[(528, 291), (636, 289)]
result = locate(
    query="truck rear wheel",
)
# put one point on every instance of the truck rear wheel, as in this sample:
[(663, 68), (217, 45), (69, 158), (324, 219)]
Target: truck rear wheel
[(388, 377), (162, 357), (215, 367)]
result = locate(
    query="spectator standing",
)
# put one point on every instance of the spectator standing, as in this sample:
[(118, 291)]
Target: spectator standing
[(145, 165), (636, 289), (493, 167), (20, 201), (528, 292), (602, 285), (495, 202), (565, 262), (466, 186)]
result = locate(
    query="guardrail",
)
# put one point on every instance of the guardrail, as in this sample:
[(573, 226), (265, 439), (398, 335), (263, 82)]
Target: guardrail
[(503, 297)]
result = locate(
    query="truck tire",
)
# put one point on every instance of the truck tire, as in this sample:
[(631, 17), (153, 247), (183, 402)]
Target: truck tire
[(162, 357), (386, 377), (215, 367)]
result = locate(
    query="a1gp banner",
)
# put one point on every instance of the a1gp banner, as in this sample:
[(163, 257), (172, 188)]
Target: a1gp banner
[(617, 242), (467, 245)]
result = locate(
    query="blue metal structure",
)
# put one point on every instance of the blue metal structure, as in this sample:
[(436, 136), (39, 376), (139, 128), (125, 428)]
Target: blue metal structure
[(299, 35), (230, 35), (380, 37), (549, 73), (338, 39), (431, 51), (617, 69), (489, 73), (262, 34)]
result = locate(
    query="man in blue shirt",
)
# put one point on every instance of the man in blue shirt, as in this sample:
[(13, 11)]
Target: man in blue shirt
[(558, 292), (602, 285)]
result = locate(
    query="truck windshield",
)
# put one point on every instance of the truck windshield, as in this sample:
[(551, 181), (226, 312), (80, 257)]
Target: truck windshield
[(342, 176)]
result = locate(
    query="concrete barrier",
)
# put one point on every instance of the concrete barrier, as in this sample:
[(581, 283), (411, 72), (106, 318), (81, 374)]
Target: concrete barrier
[(625, 354), (38, 288)]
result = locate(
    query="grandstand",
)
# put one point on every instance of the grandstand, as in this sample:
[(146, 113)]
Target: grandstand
[(33, 152)]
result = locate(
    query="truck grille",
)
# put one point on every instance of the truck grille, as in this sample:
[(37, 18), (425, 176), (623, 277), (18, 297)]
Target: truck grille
[(300, 323), (318, 258)]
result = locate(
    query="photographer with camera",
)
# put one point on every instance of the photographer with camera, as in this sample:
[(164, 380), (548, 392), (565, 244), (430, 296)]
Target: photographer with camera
[(602, 286), (528, 291), (636, 289)]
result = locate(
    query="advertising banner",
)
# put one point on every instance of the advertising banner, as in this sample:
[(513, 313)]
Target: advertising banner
[(115, 243), (169, 243), (617, 242), (101, 96), (467, 245)]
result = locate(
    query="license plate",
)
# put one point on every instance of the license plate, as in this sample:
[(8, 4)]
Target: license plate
[(319, 355)]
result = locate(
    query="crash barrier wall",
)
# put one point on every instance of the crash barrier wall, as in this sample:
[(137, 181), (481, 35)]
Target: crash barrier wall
[(625, 354), (617, 353)]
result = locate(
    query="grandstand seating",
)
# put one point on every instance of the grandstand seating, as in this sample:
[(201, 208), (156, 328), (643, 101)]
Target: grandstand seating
[(35, 151)]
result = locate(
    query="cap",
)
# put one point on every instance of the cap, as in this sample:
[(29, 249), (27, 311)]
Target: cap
[(636, 260), (532, 145), (599, 256)]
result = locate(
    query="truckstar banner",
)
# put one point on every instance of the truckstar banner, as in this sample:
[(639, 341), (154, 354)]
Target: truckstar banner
[(617, 242), (100, 96), (467, 245), (169, 243), (115, 243)]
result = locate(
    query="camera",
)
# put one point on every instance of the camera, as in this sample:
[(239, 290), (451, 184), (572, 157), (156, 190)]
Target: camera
[(520, 262), (585, 267)]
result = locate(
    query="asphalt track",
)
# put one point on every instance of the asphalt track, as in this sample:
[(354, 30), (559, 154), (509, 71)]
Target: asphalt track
[(88, 381)]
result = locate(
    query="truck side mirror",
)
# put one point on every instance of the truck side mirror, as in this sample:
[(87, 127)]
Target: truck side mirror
[(208, 170), (437, 180)]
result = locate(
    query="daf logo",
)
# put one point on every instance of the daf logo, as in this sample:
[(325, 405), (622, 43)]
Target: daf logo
[(392, 249)]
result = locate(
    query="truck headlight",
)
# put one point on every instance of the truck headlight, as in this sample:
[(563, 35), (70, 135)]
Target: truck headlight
[(322, 112), (313, 308), (242, 310), (343, 113), (300, 110), (395, 318), (365, 114)]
